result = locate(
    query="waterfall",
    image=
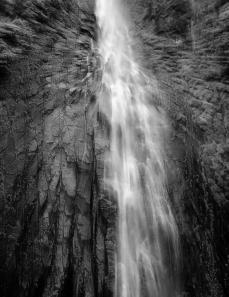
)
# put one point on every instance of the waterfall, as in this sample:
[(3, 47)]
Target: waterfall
[(135, 171)]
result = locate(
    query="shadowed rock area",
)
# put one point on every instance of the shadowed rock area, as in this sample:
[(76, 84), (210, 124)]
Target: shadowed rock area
[(57, 224)]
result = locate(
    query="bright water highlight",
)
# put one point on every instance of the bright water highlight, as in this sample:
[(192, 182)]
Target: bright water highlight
[(135, 171)]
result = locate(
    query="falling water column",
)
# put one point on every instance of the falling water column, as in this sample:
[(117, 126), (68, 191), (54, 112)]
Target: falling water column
[(135, 172)]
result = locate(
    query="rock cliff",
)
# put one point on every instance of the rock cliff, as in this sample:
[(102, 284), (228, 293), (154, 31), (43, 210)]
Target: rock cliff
[(57, 224)]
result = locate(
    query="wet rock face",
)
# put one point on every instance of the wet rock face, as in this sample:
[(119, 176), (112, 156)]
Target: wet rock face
[(57, 223), (192, 68)]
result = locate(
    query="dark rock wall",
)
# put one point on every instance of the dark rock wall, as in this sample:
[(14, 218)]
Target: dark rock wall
[(185, 44), (57, 223)]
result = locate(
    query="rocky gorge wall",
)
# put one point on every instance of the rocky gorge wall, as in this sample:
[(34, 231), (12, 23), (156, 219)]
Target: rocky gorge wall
[(186, 45), (57, 225)]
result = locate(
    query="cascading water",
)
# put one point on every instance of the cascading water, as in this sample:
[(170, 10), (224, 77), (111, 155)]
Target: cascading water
[(135, 165)]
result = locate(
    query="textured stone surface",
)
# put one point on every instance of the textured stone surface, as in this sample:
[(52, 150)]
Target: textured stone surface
[(57, 223), (57, 226), (186, 46)]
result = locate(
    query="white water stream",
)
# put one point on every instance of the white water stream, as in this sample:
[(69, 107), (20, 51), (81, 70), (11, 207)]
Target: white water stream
[(135, 165)]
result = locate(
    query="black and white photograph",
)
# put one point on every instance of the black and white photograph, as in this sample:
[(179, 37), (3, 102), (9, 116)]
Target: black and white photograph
[(114, 148)]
